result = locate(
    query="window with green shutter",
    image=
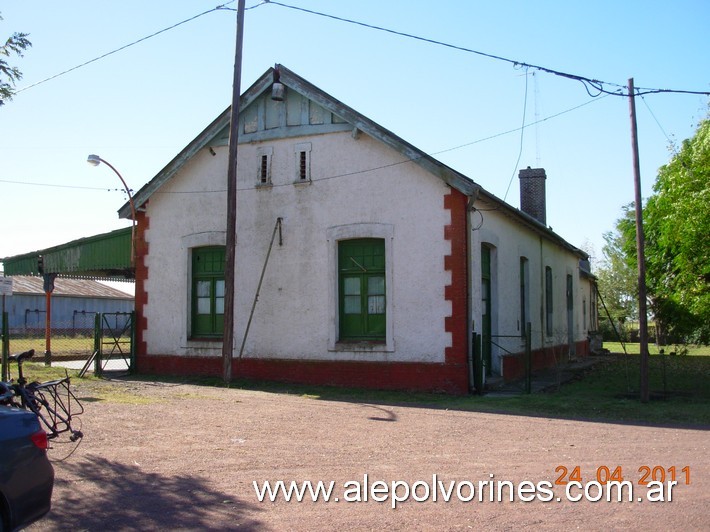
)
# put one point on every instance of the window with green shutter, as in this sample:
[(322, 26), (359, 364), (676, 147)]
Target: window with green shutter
[(361, 288), (549, 330), (208, 292)]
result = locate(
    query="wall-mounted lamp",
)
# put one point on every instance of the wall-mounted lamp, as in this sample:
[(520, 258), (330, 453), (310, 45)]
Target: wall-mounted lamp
[(278, 89)]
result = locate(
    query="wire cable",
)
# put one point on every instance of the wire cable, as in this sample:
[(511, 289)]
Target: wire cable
[(670, 142), (518, 129), (77, 187), (522, 135), (218, 8), (589, 83), (356, 172)]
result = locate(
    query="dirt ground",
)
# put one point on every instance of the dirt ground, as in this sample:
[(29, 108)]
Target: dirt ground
[(159, 456)]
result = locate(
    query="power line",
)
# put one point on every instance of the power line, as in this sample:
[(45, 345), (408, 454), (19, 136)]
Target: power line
[(60, 186), (376, 168), (589, 83), (518, 129), (356, 172), (217, 8), (670, 142), (522, 135)]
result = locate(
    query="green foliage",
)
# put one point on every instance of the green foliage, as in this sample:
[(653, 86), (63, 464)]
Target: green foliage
[(617, 279), (677, 230), (16, 44), (677, 243)]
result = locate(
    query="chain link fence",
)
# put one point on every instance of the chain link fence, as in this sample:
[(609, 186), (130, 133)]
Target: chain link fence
[(73, 340)]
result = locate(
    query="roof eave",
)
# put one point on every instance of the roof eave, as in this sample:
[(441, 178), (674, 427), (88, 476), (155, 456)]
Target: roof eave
[(202, 140), (532, 223), (451, 177)]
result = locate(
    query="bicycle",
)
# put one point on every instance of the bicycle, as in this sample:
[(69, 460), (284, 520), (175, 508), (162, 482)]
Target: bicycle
[(53, 402)]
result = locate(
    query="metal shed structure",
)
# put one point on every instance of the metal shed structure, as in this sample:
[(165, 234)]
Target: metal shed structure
[(75, 302), (103, 257)]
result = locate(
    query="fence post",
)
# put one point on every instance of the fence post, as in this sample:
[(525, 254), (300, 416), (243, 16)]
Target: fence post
[(471, 367), (478, 363), (5, 346), (97, 344), (528, 358), (132, 369)]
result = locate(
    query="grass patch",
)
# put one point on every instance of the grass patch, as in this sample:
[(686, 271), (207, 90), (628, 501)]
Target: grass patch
[(89, 388), (37, 371), (61, 345), (653, 349), (607, 392)]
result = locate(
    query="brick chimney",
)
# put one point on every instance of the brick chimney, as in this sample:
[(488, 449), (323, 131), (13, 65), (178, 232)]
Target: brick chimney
[(532, 193)]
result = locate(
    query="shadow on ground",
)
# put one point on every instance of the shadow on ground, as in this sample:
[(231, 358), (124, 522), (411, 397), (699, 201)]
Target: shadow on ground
[(106, 495)]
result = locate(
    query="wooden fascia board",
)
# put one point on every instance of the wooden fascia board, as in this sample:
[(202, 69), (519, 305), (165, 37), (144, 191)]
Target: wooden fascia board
[(202, 140), (295, 82), (361, 122)]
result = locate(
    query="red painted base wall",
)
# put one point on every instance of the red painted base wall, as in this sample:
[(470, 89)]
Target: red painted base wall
[(514, 365), (446, 378)]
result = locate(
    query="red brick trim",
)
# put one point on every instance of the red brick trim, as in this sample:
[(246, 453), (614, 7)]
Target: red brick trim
[(457, 292), (141, 295)]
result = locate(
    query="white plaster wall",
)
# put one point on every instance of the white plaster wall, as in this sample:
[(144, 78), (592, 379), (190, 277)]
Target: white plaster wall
[(510, 241), (187, 211), (355, 182)]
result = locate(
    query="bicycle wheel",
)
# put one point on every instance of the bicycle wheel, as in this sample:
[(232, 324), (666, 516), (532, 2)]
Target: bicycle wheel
[(65, 443), (58, 410)]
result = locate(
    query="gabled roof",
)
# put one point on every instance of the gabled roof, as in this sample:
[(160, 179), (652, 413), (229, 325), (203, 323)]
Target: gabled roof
[(24, 284), (217, 133), (294, 82)]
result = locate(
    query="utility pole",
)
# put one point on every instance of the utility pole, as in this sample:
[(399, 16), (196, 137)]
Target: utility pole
[(640, 252), (230, 251)]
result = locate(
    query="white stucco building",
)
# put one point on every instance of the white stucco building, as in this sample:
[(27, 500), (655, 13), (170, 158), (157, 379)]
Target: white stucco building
[(381, 263)]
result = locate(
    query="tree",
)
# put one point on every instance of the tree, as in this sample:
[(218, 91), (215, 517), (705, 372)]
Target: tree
[(17, 43), (677, 229), (617, 278)]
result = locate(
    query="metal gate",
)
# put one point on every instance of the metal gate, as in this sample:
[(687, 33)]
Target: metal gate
[(114, 343), (478, 364)]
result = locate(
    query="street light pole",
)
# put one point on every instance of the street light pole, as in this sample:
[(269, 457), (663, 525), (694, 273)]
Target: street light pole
[(231, 244), (95, 160), (640, 250)]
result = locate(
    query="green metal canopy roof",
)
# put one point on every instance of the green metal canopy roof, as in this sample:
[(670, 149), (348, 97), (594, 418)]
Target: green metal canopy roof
[(103, 257)]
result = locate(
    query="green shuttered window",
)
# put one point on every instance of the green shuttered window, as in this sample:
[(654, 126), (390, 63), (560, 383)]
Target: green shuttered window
[(549, 329), (361, 279), (208, 292)]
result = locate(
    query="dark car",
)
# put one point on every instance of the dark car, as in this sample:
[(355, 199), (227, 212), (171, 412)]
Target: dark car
[(26, 475)]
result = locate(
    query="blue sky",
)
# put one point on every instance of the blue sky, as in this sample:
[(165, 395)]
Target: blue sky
[(137, 108)]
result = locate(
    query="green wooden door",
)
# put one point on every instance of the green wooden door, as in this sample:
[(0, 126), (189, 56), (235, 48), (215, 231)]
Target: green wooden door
[(486, 310)]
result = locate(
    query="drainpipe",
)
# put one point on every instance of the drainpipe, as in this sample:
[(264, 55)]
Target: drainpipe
[(469, 289), (543, 299)]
